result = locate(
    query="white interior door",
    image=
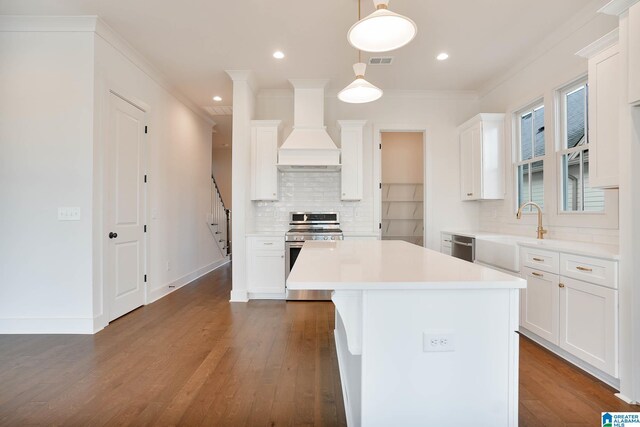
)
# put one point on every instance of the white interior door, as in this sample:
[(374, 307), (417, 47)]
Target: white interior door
[(124, 208)]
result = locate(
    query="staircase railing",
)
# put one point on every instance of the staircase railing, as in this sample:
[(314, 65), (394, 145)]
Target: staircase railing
[(220, 219)]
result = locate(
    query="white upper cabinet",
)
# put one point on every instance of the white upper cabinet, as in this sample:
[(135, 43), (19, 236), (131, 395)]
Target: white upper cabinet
[(634, 54), (604, 106), (482, 157), (264, 159), (351, 134)]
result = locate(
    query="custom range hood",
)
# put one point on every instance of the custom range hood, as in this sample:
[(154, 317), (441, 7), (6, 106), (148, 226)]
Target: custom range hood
[(309, 146)]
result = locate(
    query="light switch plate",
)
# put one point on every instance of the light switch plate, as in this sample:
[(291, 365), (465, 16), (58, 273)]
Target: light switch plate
[(69, 214)]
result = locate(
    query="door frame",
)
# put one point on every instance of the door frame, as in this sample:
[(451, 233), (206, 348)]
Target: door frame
[(106, 121), (378, 129)]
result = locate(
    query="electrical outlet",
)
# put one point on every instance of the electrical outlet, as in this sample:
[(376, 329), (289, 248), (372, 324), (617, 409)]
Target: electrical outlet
[(438, 342)]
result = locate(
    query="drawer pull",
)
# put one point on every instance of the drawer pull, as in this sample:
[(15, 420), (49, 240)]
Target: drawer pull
[(537, 274), (469, 194), (268, 243), (561, 285), (447, 240), (583, 268), (538, 259)]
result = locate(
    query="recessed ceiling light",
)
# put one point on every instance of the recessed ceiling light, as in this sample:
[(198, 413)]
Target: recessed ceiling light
[(442, 56), (278, 54), (217, 98)]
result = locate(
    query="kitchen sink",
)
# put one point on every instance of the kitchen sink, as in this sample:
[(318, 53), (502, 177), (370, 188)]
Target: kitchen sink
[(499, 251)]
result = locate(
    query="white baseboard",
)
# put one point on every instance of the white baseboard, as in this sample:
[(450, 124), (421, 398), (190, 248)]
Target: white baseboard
[(155, 294), (267, 295), (626, 399), (602, 376), (239, 296), (44, 325)]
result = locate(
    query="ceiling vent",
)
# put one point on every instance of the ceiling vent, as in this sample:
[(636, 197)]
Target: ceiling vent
[(219, 110), (380, 60)]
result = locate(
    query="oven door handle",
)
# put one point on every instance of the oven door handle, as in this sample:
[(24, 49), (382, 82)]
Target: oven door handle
[(295, 244)]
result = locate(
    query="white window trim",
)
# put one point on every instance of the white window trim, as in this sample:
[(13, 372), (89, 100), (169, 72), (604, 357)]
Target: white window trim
[(608, 218), (516, 147), (551, 216)]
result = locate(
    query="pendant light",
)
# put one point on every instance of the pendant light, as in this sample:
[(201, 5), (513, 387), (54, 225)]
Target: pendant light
[(382, 31), (359, 91)]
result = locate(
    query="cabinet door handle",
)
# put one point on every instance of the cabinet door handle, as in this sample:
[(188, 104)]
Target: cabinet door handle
[(469, 194), (538, 259), (537, 274), (584, 268), (561, 285)]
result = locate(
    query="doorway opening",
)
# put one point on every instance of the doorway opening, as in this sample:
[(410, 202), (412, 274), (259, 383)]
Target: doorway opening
[(221, 152), (402, 186)]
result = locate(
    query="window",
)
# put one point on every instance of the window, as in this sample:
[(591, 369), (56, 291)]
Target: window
[(530, 148), (576, 195)]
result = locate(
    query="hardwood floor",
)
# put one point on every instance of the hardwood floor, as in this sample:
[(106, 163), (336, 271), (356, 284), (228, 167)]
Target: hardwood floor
[(193, 359)]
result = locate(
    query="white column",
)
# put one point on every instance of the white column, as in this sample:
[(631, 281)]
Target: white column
[(242, 211)]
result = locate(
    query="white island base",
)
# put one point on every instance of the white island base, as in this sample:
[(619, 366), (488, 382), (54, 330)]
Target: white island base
[(422, 338)]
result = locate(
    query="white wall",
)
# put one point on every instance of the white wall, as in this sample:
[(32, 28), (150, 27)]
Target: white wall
[(179, 174), (55, 91), (440, 113), (540, 78), (402, 157), (46, 81)]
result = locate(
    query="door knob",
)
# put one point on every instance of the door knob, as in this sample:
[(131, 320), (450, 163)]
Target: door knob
[(113, 235)]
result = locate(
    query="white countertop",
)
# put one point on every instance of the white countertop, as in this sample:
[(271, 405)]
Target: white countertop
[(568, 246), (265, 234), (388, 265)]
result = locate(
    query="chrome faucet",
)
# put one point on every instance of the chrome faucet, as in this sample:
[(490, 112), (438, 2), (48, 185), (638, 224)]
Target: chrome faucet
[(541, 231)]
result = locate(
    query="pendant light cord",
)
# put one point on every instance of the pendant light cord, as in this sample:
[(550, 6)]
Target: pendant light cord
[(359, 51)]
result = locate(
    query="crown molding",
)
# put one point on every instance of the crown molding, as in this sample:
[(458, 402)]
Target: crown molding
[(93, 24), (121, 45), (599, 45), (617, 7), (579, 20), (243, 76), (457, 95)]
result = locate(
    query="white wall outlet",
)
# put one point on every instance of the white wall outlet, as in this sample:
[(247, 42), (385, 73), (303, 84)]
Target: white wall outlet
[(438, 342), (69, 214)]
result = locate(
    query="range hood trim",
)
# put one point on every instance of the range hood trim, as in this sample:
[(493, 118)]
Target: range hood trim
[(309, 146)]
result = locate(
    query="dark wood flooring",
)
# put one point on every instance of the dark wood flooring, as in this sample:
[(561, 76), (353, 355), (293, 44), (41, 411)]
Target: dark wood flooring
[(194, 359)]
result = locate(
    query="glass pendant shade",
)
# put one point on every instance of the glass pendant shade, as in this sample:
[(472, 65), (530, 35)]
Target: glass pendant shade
[(382, 31), (359, 91)]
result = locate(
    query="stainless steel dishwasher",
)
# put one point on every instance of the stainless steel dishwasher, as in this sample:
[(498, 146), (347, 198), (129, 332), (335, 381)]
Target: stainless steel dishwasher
[(463, 247)]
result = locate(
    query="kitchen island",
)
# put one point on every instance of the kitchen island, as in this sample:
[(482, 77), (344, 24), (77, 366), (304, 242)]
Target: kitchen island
[(422, 338)]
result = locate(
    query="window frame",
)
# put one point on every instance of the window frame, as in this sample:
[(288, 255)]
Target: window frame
[(561, 150), (517, 150)]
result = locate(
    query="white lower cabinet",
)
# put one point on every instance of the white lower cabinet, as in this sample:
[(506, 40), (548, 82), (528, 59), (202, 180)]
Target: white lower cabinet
[(540, 304), (265, 265), (445, 243), (588, 329), (578, 317)]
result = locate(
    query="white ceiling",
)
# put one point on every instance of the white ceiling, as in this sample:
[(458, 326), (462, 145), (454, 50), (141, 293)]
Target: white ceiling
[(193, 41)]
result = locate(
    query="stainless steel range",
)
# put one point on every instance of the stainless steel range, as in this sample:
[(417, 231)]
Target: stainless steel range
[(309, 226)]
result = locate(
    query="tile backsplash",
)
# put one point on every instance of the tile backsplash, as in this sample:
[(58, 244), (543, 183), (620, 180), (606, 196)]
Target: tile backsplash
[(494, 219), (317, 192)]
